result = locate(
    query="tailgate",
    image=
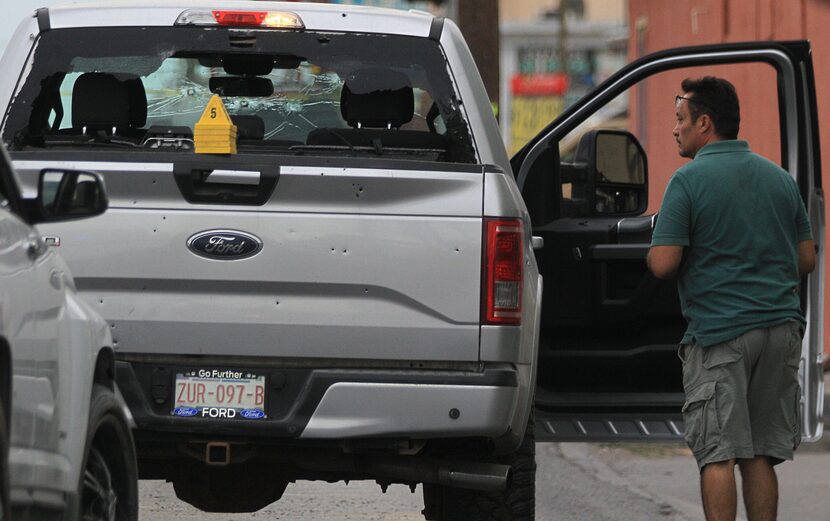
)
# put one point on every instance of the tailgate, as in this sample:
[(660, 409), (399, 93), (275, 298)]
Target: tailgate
[(356, 263)]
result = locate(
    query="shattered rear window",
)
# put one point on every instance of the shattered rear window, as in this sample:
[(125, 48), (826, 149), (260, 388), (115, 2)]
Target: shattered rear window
[(147, 87)]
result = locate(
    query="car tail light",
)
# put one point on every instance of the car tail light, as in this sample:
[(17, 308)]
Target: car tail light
[(503, 266), (240, 18), (264, 19)]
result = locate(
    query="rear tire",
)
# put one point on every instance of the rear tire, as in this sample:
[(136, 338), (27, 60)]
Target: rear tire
[(516, 503), (5, 507), (108, 490)]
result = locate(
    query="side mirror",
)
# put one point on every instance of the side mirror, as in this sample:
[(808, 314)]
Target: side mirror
[(616, 180), (70, 194)]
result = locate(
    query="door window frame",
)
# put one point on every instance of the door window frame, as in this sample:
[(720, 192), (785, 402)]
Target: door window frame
[(639, 71), (9, 194)]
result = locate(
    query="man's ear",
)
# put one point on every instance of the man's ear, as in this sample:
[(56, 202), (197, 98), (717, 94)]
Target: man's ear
[(704, 122)]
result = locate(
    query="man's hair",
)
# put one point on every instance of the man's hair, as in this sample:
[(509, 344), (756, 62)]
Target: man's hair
[(717, 98)]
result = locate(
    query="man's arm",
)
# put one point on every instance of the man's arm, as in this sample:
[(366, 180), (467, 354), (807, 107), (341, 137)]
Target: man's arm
[(671, 231), (806, 257), (663, 261)]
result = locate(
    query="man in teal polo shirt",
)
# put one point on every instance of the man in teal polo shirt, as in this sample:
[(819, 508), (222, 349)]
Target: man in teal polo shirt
[(734, 230)]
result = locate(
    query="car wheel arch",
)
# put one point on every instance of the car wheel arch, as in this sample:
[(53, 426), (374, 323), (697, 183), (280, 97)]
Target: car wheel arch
[(104, 373), (5, 376), (108, 433)]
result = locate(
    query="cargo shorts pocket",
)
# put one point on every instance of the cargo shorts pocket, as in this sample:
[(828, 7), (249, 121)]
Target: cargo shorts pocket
[(700, 415), (795, 333), (795, 420), (722, 354), (792, 363), (681, 353)]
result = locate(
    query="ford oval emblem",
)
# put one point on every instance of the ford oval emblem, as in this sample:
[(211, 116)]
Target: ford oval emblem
[(252, 414), (224, 244), (185, 411)]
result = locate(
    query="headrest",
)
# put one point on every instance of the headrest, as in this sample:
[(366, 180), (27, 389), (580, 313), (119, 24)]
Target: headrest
[(376, 98), (100, 101), (249, 127), (138, 102)]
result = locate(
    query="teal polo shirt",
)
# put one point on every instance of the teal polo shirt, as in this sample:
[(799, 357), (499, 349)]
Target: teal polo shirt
[(740, 218)]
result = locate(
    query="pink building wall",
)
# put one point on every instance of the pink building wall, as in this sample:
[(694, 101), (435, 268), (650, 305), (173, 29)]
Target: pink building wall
[(658, 24)]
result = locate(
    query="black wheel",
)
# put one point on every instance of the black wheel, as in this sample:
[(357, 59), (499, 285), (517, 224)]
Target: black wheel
[(109, 482), (5, 507), (516, 503)]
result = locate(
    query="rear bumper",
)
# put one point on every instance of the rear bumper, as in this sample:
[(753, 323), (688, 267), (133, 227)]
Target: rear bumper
[(363, 409), (326, 404)]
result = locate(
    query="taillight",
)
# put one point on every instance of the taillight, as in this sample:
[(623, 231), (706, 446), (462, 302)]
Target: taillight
[(263, 19), (503, 265), (240, 18)]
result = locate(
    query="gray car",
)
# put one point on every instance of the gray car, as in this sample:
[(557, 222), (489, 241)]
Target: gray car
[(65, 441)]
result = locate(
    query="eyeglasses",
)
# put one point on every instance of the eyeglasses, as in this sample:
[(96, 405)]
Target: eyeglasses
[(679, 99)]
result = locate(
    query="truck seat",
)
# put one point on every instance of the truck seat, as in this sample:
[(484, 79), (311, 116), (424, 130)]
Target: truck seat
[(137, 102), (100, 102), (375, 103), (249, 126)]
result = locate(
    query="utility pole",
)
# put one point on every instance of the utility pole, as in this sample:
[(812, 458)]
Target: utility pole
[(479, 22), (563, 37)]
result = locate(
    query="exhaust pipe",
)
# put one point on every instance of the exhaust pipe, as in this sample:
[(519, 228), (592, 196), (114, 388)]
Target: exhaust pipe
[(487, 477), (473, 475)]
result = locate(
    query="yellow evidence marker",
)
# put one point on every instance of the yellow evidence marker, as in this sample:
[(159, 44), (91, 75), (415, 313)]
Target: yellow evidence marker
[(215, 133)]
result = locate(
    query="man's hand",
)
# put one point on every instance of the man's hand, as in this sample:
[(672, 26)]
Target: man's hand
[(806, 257), (663, 261)]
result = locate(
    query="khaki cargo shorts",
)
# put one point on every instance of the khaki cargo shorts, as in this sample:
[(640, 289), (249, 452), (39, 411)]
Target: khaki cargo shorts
[(742, 396)]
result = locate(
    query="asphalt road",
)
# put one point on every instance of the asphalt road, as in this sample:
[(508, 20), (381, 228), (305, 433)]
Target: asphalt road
[(575, 482)]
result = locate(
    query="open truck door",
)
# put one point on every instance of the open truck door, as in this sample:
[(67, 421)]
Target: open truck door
[(608, 365)]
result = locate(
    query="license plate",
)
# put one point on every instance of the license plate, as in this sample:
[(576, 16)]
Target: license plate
[(220, 394)]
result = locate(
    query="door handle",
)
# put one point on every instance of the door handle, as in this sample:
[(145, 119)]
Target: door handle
[(199, 181), (56, 279), (239, 177)]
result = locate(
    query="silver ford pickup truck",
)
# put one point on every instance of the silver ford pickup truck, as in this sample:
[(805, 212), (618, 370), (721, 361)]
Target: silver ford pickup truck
[(333, 271), (352, 294)]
